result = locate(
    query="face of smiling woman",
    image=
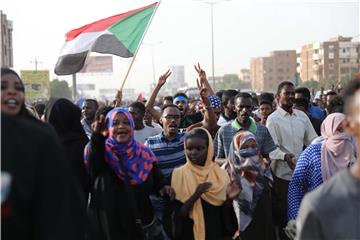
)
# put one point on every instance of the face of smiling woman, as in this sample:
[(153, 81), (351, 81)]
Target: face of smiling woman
[(12, 94), (121, 128)]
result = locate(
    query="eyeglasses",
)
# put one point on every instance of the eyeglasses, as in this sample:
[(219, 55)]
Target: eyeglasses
[(244, 106), (169, 117)]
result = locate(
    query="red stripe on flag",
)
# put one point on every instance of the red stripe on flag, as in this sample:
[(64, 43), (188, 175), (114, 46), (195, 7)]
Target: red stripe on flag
[(102, 24)]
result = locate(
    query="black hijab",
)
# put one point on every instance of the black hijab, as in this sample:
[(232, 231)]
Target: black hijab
[(65, 117)]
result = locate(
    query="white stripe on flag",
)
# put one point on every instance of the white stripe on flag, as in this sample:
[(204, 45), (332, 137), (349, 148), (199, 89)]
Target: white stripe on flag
[(81, 43)]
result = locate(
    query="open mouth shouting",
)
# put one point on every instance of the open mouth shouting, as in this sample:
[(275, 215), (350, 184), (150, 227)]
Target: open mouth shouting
[(11, 105), (173, 127), (122, 135)]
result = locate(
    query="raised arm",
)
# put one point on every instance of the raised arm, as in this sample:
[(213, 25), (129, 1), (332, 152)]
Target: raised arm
[(209, 121), (203, 78), (150, 104), (95, 150)]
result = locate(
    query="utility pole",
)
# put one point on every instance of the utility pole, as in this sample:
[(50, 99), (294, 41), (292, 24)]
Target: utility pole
[(212, 43), (212, 3), (36, 62), (152, 45), (74, 86)]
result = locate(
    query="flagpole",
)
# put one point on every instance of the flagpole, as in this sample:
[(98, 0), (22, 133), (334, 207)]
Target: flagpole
[(137, 49)]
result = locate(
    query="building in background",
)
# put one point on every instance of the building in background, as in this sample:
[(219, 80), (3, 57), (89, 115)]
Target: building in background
[(245, 75), (128, 94), (218, 81), (336, 58), (98, 64), (245, 79), (85, 90), (6, 50), (175, 81), (96, 69), (107, 94), (267, 72)]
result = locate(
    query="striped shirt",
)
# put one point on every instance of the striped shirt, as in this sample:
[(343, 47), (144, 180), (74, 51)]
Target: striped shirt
[(227, 132), (169, 153)]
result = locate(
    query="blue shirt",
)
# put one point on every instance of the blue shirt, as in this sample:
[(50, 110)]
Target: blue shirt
[(169, 153), (316, 112), (306, 177)]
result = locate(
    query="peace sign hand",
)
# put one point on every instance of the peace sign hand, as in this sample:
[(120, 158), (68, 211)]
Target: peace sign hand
[(162, 79), (201, 72)]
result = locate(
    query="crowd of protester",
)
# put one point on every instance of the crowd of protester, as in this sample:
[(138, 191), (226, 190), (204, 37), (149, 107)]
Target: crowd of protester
[(227, 165)]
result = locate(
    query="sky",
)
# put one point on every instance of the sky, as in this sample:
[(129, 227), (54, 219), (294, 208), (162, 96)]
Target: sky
[(180, 33)]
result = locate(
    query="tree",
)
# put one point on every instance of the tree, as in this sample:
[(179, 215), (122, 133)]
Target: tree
[(329, 83), (60, 89), (345, 80), (311, 84), (230, 81), (335, 83)]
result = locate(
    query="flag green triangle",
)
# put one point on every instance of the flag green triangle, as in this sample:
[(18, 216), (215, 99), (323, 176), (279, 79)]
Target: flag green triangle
[(131, 29)]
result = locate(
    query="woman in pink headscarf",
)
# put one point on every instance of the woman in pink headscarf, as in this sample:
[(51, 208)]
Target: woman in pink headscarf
[(337, 149), (321, 161)]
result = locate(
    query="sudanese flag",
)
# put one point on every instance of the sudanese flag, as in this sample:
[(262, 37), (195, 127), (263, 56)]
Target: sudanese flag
[(118, 35)]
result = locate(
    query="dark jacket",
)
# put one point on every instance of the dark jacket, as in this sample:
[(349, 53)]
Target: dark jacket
[(43, 200), (220, 221), (111, 203), (65, 116)]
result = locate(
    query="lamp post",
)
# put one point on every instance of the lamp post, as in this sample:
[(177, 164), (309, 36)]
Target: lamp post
[(36, 63), (152, 45), (212, 3)]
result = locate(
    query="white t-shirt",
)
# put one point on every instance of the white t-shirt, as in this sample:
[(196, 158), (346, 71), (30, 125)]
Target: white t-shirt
[(157, 126), (142, 135), (222, 121)]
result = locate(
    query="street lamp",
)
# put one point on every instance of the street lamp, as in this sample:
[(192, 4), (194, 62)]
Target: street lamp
[(212, 3), (152, 45)]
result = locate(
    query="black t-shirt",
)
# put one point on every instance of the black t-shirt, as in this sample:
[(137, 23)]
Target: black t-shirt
[(190, 119)]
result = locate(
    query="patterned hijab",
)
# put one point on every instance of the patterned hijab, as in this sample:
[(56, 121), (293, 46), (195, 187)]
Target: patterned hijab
[(245, 165), (137, 159)]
